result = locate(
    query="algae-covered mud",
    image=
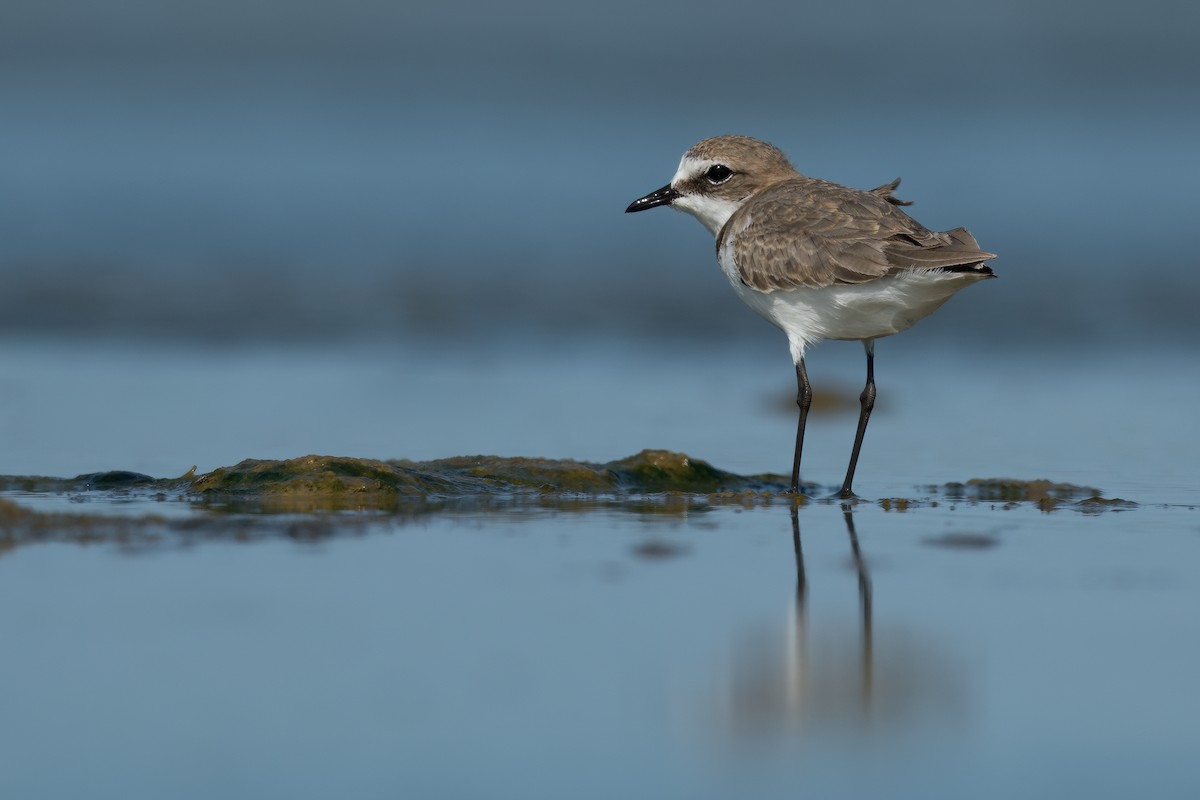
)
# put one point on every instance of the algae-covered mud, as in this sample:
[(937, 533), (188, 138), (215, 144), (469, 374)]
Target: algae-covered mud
[(650, 479), (649, 471), (257, 499)]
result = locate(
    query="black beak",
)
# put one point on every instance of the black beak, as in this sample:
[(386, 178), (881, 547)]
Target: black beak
[(659, 197)]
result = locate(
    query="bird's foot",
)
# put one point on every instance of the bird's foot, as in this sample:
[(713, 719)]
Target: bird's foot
[(799, 491)]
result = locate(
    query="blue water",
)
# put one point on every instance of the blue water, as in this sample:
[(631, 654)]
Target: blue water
[(538, 655), (553, 653), (1120, 421)]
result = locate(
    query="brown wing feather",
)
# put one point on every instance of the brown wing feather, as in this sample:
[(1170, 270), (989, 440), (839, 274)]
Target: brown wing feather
[(886, 190), (960, 250), (806, 232)]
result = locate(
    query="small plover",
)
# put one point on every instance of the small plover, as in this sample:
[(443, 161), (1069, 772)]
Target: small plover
[(817, 259)]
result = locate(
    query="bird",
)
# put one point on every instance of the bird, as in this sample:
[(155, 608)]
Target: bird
[(817, 259)]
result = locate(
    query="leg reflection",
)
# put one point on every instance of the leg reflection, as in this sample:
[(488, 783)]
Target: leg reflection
[(864, 602), (810, 682), (801, 583), (797, 651), (820, 671)]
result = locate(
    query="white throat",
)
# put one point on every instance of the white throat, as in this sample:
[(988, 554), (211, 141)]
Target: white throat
[(713, 212)]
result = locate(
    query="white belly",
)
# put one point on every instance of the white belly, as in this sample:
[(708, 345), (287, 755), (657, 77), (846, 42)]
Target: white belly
[(859, 311)]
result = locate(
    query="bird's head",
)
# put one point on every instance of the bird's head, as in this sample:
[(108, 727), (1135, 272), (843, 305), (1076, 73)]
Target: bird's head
[(716, 176)]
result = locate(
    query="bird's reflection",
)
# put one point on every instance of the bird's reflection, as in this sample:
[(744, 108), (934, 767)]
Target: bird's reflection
[(800, 628), (825, 678)]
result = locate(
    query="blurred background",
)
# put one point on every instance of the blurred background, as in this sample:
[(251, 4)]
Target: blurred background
[(233, 171), (239, 229), (442, 186)]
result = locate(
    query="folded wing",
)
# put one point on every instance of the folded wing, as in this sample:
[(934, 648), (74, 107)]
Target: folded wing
[(806, 232)]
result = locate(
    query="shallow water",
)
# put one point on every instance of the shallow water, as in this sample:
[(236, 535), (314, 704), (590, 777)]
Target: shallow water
[(973, 652), (600, 648), (1118, 420)]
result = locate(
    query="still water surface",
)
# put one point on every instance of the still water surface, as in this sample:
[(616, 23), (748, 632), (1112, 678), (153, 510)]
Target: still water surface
[(1119, 420), (972, 652), (969, 650)]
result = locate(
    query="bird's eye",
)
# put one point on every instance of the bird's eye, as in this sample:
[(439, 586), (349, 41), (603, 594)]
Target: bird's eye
[(718, 173)]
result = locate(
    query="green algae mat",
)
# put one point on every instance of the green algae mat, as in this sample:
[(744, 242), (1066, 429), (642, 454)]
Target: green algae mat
[(648, 473)]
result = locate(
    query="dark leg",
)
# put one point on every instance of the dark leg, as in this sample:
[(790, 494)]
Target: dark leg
[(867, 402), (804, 400)]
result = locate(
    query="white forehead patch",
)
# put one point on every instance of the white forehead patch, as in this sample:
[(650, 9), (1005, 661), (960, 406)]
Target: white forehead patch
[(690, 167)]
